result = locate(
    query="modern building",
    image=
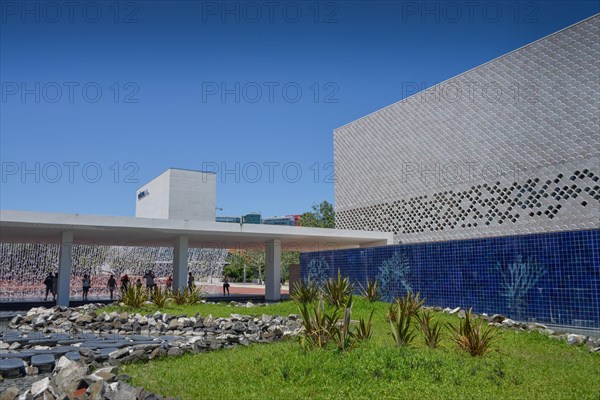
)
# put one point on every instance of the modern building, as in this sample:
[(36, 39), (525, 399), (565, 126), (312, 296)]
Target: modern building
[(509, 147), (178, 194), (289, 220), (256, 218), (229, 220)]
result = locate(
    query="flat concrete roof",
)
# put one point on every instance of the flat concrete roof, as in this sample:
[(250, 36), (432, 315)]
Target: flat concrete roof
[(45, 227)]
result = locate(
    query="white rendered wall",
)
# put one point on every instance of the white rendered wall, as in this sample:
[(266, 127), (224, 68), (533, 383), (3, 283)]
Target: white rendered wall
[(156, 203), (179, 194)]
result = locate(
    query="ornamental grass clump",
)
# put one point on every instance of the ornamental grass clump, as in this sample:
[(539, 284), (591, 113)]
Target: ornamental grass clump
[(401, 325), (371, 290), (431, 330), (410, 303), (336, 292), (364, 330), (318, 325), (179, 296), (470, 335), (134, 296), (194, 296), (159, 296), (305, 292), (332, 328)]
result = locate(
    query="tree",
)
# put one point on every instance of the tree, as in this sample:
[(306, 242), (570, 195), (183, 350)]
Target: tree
[(321, 216)]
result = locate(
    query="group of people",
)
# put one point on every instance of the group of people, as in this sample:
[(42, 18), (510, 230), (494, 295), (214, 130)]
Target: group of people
[(51, 284)]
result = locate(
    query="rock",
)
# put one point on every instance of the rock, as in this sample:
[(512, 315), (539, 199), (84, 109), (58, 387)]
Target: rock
[(574, 339), (31, 370), (40, 387), (10, 394), (175, 351), (84, 319), (462, 314), (119, 353), (266, 319), (173, 324), (67, 379), (238, 326), (509, 323), (497, 318), (96, 390), (14, 346), (454, 311)]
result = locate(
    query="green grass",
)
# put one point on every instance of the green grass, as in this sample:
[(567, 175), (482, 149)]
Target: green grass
[(526, 366)]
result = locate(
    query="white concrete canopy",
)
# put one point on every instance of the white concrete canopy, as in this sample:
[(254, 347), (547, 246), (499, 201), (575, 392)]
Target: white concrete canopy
[(67, 229)]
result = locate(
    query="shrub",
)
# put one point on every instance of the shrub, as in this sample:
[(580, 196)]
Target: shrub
[(364, 330), (180, 296), (318, 326), (341, 333), (134, 296), (305, 292), (160, 296), (411, 304), (337, 292), (469, 335), (431, 330), (194, 296), (371, 290), (401, 325)]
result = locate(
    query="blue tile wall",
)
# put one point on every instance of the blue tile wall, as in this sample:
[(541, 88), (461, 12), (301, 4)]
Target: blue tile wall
[(551, 278)]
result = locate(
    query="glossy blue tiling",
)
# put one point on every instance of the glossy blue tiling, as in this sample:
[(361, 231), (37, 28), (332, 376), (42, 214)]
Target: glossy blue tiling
[(551, 277)]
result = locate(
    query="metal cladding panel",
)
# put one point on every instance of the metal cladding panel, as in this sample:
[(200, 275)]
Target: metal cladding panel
[(509, 147)]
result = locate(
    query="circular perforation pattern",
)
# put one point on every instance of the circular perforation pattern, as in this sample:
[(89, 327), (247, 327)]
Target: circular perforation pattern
[(486, 204)]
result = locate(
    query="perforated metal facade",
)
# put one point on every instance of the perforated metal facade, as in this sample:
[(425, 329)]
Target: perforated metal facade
[(509, 147)]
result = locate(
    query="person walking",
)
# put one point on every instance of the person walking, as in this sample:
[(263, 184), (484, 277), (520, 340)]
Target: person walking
[(169, 282), (124, 282), (191, 284), (87, 284), (48, 283), (149, 277), (112, 285), (55, 286), (225, 284)]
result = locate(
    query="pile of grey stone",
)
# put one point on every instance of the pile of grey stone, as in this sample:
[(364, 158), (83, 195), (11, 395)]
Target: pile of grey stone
[(75, 380), (502, 322), (37, 340)]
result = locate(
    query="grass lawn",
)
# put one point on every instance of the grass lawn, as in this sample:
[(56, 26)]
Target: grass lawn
[(526, 366)]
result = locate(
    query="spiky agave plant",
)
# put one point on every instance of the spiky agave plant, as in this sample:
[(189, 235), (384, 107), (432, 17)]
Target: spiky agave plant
[(134, 296), (319, 326), (401, 326), (364, 329), (194, 296), (410, 303), (305, 292), (179, 296), (337, 291), (470, 335), (341, 333), (160, 296), (371, 290), (431, 330)]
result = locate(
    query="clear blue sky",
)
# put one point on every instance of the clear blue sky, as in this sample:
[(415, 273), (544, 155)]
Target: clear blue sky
[(162, 66)]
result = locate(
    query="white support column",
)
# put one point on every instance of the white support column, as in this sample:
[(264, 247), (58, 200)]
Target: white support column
[(180, 263), (273, 270), (64, 269)]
